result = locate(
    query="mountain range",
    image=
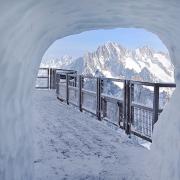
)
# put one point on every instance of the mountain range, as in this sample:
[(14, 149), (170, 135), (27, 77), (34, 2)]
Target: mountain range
[(114, 60)]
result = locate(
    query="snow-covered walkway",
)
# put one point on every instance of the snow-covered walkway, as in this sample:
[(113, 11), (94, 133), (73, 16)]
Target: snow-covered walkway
[(73, 145)]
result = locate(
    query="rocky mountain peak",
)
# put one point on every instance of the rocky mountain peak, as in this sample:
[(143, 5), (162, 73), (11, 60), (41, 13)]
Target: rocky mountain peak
[(113, 60)]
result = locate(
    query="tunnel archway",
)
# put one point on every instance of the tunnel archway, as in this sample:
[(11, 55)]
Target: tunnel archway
[(122, 53), (27, 30)]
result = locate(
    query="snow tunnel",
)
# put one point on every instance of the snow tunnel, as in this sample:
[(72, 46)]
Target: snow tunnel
[(27, 30)]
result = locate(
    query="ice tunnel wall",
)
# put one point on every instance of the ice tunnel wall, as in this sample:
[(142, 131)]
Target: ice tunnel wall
[(27, 28)]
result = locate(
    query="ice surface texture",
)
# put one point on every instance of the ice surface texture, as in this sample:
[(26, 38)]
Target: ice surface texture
[(80, 147), (27, 29)]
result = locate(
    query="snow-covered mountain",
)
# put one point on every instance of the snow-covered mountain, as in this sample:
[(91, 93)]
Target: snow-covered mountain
[(55, 62), (113, 60)]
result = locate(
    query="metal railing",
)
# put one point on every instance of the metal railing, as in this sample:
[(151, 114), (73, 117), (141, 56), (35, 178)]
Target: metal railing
[(134, 107), (47, 76), (123, 111)]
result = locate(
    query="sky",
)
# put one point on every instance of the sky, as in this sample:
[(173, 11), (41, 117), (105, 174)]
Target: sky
[(77, 45)]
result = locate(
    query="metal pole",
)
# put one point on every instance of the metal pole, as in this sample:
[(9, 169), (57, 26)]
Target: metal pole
[(128, 109), (54, 78), (125, 106), (132, 99), (98, 98), (104, 107), (120, 109), (57, 85), (155, 104), (105, 102), (58, 77), (67, 89), (48, 78), (75, 80), (50, 75), (80, 93)]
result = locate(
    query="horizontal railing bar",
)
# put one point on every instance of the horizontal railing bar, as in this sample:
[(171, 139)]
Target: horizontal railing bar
[(141, 136), (62, 82), (39, 87), (107, 120), (65, 73), (72, 103), (172, 85), (142, 83), (73, 88), (153, 84), (88, 92), (89, 110), (59, 69), (61, 99), (111, 98), (113, 79), (72, 75), (89, 77), (140, 106), (44, 68), (42, 77)]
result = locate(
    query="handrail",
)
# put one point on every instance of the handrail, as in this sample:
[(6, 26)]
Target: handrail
[(129, 111), (153, 83)]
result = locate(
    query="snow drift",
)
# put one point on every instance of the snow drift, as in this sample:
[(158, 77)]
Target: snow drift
[(27, 28)]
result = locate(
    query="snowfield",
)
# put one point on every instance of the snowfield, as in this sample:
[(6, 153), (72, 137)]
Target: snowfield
[(73, 145)]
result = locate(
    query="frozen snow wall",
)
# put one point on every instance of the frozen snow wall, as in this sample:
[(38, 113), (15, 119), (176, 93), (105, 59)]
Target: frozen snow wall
[(27, 28)]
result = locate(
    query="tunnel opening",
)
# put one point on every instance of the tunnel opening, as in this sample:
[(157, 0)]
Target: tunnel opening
[(28, 28), (152, 82), (122, 53)]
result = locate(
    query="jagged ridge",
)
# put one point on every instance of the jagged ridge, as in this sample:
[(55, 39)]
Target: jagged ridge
[(113, 60)]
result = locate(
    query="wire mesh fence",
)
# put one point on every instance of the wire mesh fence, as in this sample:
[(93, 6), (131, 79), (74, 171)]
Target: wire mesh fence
[(142, 121)]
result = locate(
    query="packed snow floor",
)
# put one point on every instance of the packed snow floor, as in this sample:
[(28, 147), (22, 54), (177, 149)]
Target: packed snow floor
[(73, 145)]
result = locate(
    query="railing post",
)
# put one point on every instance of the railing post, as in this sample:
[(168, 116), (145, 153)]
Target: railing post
[(48, 78), (128, 127), (98, 98), (132, 99), (57, 84), (52, 78), (104, 107), (103, 102), (155, 104), (67, 88), (80, 92), (75, 80), (127, 106), (120, 115)]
